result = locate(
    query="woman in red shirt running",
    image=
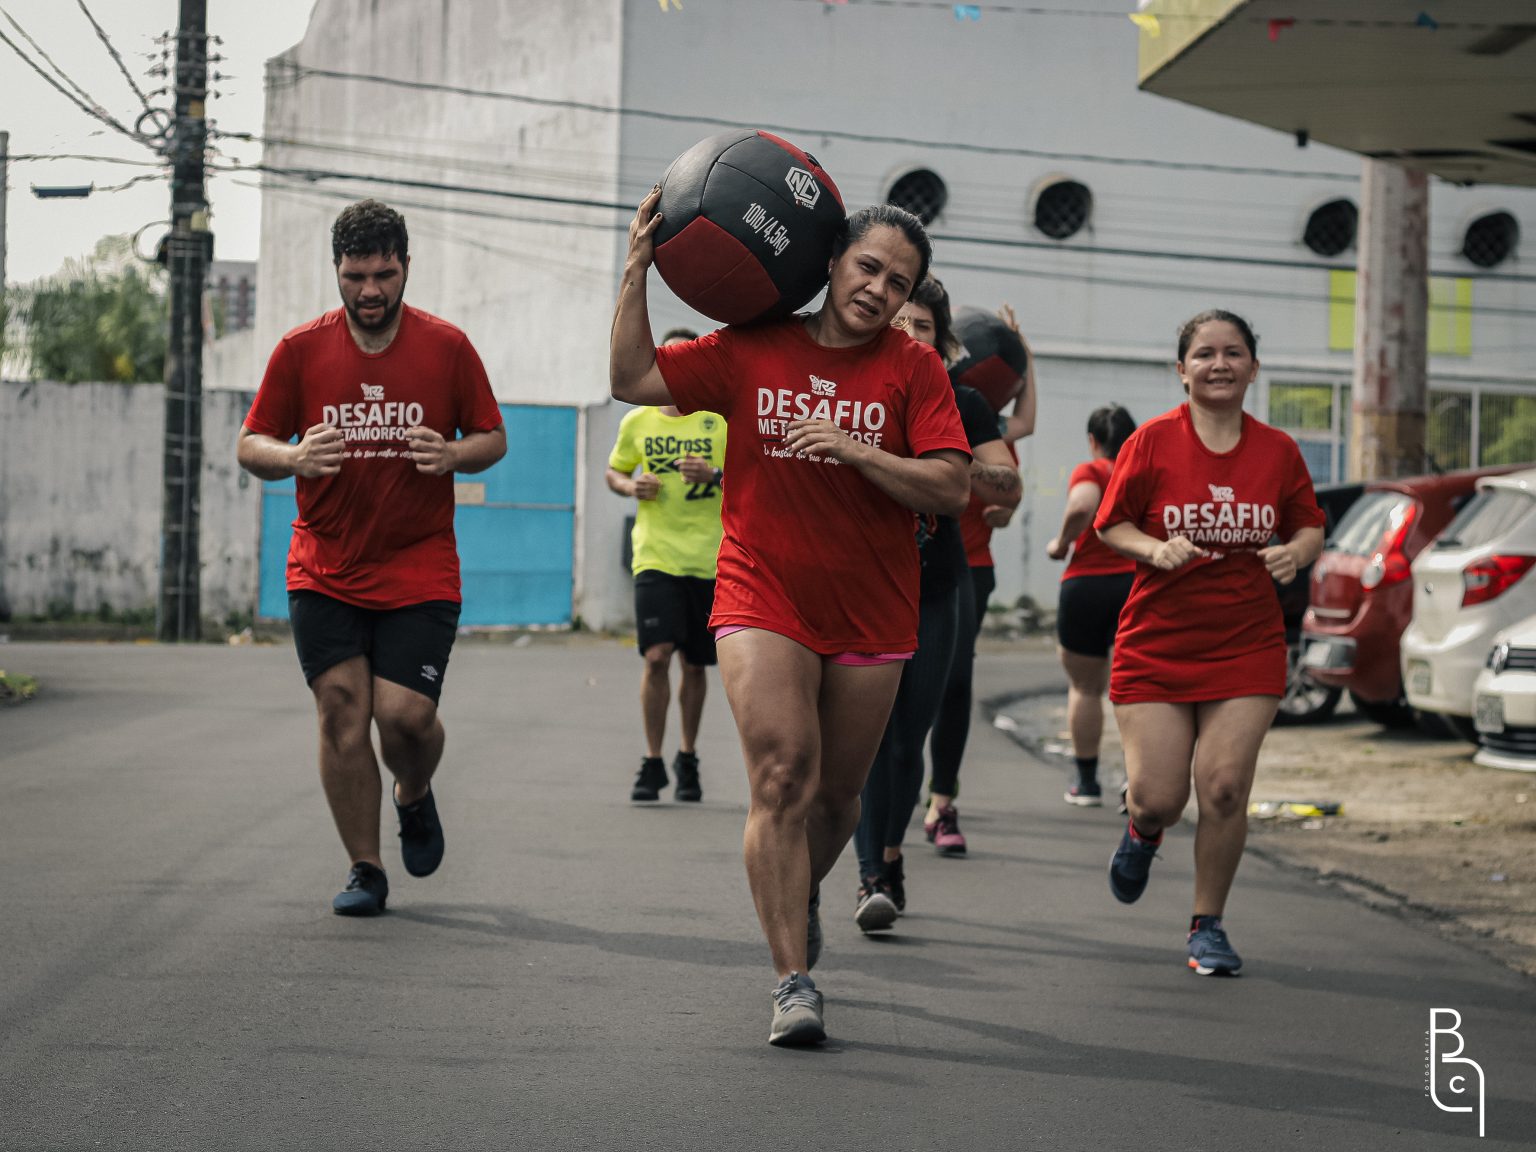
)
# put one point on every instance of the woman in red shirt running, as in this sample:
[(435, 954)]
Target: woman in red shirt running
[(1093, 591), (841, 428), (1199, 666)]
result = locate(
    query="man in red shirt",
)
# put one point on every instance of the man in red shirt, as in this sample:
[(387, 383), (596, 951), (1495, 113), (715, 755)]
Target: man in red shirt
[(372, 408)]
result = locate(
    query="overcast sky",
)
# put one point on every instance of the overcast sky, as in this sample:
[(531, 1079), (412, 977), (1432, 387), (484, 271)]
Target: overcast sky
[(44, 233)]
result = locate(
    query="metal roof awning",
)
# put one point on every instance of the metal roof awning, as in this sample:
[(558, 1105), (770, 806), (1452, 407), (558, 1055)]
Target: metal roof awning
[(1449, 88)]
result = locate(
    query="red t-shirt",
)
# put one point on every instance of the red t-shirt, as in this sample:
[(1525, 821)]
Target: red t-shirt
[(378, 534), (1090, 555), (1211, 630), (975, 532), (812, 550)]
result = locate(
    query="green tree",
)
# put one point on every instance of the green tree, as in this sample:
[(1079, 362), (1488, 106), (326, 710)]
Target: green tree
[(101, 318)]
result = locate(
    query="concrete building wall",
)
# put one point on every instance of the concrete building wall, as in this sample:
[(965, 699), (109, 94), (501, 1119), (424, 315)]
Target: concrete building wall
[(80, 500), (530, 281), (863, 87)]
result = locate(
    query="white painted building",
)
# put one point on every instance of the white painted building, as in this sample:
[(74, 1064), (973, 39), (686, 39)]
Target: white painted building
[(493, 125)]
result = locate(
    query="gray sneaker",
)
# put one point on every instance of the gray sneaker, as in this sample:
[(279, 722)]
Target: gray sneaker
[(796, 1012), (813, 931)]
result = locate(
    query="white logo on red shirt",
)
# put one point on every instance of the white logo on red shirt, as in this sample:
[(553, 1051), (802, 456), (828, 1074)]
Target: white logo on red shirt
[(820, 387), (1221, 520), (373, 391)]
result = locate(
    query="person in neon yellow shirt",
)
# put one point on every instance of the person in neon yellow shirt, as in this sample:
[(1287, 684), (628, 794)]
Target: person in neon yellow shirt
[(676, 539)]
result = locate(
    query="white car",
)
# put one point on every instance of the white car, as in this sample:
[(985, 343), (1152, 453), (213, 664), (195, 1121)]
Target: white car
[(1476, 579), (1504, 701)]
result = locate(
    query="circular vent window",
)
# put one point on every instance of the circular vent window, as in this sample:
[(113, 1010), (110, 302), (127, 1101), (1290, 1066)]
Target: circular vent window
[(1062, 209), (1491, 239), (1332, 227), (921, 192)]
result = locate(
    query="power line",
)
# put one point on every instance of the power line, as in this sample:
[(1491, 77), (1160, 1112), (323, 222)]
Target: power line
[(1087, 279), (315, 174), (47, 59), (123, 68), (301, 72), (1205, 257), (1415, 23), (87, 105), (17, 159), (135, 180)]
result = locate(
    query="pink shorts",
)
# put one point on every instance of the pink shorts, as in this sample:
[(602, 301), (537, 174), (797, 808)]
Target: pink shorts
[(851, 659)]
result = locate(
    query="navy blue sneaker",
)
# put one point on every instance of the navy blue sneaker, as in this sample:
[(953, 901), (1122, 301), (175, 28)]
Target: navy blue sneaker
[(813, 931), (421, 835), (1131, 863), (1210, 952), (367, 889)]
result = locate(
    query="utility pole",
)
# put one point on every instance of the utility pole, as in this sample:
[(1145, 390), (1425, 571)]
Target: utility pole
[(188, 250), (1391, 325)]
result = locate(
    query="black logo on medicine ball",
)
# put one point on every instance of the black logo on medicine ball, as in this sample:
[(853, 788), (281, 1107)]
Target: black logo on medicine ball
[(804, 186)]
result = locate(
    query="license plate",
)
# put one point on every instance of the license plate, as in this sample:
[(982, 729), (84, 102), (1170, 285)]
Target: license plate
[(1420, 680), (1490, 714)]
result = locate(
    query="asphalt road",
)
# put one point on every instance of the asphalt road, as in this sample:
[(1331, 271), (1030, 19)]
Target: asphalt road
[(583, 974)]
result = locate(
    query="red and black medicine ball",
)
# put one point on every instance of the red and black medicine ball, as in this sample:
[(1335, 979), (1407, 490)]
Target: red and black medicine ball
[(993, 360), (748, 222)]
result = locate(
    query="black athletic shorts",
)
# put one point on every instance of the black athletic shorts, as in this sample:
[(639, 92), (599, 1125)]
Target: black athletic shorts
[(675, 610), (407, 646), (1088, 612)]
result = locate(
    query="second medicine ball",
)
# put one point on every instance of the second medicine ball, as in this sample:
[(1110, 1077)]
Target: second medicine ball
[(994, 360), (748, 222)]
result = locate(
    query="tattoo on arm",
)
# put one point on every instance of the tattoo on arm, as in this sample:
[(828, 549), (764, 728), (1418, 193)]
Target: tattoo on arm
[(1004, 479)]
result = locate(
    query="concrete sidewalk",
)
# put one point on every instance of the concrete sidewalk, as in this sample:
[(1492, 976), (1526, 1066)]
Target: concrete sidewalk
[(585, 974)]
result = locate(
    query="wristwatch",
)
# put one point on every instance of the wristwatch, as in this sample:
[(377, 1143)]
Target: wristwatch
[(719, 475)]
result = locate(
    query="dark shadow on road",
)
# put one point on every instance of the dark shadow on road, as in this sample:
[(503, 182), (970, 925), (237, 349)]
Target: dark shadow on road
[(1271, 1087)]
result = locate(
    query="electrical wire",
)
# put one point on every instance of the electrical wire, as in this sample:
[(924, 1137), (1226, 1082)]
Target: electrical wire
[(1414, 24), (297, 73), (106, 40), (21, 157), (86, 105), (1059, 276), (47, 59), (166, 175)]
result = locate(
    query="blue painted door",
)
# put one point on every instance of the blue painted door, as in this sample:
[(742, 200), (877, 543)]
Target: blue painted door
[(515, 525)]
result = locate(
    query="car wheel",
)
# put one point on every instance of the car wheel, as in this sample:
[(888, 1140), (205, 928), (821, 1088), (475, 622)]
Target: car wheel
[(1387, 713), (1305, 700)]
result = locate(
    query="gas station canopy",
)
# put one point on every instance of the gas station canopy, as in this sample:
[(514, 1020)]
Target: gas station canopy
[(1449, 88)]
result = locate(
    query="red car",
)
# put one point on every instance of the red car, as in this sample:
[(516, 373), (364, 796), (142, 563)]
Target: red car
[(1362, 591)]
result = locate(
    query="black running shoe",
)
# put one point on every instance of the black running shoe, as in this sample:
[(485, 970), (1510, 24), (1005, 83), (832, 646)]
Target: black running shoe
[(366, 891), (875, 910), (895, 883), (685, 766), (421, 835), (650, 780)]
